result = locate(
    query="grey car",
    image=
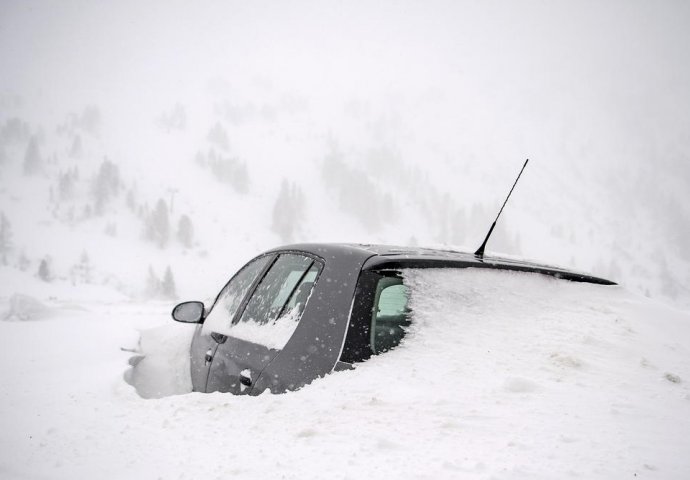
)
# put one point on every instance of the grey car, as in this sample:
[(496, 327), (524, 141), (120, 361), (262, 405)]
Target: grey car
[(299, 312)]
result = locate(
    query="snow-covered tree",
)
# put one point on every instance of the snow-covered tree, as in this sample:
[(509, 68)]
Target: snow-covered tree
[(219, 137), (153, 283), (76, 149), (227, 169), (105, 185), (185, 231), (5, 238), (44, 271), (157, 228), (81, 272), (32, 157), (288, 211), (359, 195), (14, 131), (157, 288), (176, 119), (168, 288), (66, 185)]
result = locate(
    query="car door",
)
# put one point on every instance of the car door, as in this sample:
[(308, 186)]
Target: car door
[(267, 320), (220, 316)]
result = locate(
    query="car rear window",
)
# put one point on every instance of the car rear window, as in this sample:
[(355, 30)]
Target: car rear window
[(390, 315), (380, 315)]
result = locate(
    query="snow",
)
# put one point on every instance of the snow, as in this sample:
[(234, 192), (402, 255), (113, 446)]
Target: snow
[(161, 365), (25, 307), (502, 375), (396, 122), (273, 334)]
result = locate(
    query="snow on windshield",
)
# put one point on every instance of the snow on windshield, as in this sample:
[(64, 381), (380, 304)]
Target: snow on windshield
[(273, 335)]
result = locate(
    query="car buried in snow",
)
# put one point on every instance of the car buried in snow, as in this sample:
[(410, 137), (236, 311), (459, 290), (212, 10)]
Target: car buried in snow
[(296, 313)]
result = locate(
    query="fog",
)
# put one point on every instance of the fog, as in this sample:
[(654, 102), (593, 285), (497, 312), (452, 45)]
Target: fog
[(399, 122)]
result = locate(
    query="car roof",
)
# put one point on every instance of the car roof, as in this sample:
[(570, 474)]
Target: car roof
[(392, 257)]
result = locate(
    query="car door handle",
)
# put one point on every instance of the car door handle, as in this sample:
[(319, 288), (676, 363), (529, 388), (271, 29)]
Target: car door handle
[(208, 357), (246, 377)]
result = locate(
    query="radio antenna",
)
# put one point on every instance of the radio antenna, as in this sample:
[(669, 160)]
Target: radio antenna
[(480, 251)]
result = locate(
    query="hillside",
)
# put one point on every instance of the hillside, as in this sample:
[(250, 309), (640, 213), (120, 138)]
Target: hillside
[(96, 198), (203, 136)]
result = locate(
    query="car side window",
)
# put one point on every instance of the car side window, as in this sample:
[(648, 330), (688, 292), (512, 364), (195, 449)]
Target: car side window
[(275, 308), (390, 315), (230, 298)]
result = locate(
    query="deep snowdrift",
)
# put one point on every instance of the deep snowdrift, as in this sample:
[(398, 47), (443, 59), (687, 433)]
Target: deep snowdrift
[(503, 375)]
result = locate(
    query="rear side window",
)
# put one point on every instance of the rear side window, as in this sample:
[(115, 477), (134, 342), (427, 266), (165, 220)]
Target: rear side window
[(380, 316), (276, 306), (390, 315)]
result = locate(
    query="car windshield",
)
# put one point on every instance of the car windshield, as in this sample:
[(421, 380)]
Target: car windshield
[(276, 305), (224, 310)]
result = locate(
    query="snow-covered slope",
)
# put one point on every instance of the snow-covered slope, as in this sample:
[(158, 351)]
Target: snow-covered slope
[(265, 124), (503, 375)]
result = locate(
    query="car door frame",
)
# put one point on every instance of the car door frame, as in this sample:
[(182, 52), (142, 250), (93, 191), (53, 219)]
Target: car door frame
[(316, 344), (233, 355), (204, 347)]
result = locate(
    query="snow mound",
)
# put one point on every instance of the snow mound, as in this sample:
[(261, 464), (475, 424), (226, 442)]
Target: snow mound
[(501, 375), (25, 308), (161, 365)]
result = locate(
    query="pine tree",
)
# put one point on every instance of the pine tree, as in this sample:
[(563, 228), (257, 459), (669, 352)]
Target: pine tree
[(175, 120), (84, 268), (5, 238), (153, 283), (32, 157), (106, 185), (218, 136), (185, 231), (287, 211), (168, 285), (14, 131), (157, 227), (65, 186), (44, 271), (75, 150)]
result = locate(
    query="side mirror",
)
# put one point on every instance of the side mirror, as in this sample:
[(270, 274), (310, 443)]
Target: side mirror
[(188, 312)]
